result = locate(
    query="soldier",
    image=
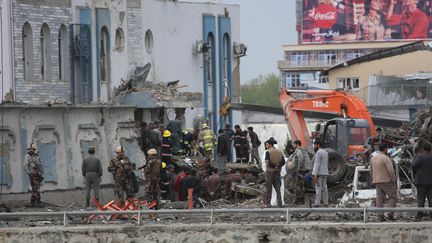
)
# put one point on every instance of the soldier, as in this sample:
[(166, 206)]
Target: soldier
[(121, 168), (33, 167), (297, 168), (152, 172), (92, 171)]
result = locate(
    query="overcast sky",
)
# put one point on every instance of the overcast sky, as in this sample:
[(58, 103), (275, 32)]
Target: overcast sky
[(265, 25)]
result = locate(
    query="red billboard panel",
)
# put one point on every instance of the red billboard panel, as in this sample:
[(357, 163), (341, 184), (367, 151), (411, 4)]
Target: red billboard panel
[(365, 20)]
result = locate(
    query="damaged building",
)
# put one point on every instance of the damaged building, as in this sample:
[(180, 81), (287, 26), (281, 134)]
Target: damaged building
[(64, 61)]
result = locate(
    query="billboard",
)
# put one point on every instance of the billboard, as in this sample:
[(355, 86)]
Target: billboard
[(365, 20)]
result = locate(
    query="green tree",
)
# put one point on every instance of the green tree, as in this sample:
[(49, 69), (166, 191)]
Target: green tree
[(263, 90)]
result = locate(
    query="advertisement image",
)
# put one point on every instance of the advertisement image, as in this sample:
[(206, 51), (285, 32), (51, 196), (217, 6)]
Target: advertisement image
[(365, 20)]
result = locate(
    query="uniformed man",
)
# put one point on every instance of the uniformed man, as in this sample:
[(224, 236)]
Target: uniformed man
[(121, 168), (208, 139), (152, 172), (33, 167), (92, 171)]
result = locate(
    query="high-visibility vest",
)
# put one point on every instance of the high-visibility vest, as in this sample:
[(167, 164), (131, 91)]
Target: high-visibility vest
[(208, 139)]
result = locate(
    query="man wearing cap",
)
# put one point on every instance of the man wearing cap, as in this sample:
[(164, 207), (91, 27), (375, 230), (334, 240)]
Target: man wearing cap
[(33, 167), (208, 140), (121, 168), (152, 171), (274, 160), (92, 171)]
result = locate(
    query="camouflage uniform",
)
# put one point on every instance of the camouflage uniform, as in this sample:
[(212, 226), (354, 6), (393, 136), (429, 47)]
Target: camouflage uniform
[(152, 172), (121, 169), (33, 167), (295, 178)]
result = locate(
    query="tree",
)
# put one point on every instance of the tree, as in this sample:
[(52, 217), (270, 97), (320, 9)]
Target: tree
[(263, 90)]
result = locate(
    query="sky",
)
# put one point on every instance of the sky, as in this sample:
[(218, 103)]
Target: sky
[(265, 25)]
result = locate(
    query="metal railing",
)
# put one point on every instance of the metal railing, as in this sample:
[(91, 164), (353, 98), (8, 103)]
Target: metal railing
[(287, 212)]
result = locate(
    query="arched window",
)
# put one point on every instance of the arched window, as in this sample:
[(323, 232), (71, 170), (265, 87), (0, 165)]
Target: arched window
[(209, 57), (148, 41), (104, 54), (119, 40), (27, 41), (45, 67), (63, 46)]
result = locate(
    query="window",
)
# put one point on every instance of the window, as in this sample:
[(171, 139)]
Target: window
[(227, 56), (348, 83), (358, 135), (299, 58), (104, 54), (27, 41), (63, 46), (353, 54), (324, 79), (209, 57), (327, 57), (148, 41), (45, 65), (119, 40), (292, 80)]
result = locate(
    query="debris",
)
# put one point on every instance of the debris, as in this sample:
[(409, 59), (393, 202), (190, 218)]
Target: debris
[(52, 203)]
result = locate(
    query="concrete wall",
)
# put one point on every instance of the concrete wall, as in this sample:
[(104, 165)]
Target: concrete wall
[(6, 61), (398, 66), (63, 135), (314, 232)]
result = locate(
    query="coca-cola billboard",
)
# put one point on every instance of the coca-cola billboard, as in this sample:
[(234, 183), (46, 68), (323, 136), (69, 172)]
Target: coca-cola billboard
[(365, 20)]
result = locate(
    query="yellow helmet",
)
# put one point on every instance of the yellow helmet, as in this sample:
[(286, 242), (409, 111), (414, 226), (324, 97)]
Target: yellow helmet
[(119, 149), (151, 152), (204, 125), (166, 134), (163, 165)]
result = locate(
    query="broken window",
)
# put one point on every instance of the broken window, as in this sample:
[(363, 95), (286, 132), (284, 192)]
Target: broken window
[(45, 67), (104, 54), (209, 58), (27, 41), (63, 39), (148, 41), (119, 40), (226, 59)]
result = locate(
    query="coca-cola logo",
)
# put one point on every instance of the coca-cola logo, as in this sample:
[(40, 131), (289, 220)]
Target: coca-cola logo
[(325, 16)]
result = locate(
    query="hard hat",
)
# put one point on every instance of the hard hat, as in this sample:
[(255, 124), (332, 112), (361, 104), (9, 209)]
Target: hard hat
[(31, 146), (152, 151), (163, 165), (119, 149), (166, 134), (204, 125), (290, 165)]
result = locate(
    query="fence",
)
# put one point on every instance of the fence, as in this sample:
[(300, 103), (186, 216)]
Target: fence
[(212, 213)]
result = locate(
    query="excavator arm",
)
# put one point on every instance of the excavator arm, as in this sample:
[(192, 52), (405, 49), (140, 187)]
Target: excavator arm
[(321, 101)]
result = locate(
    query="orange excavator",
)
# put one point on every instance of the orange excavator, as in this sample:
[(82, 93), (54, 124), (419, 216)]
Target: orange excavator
[(341, 137)]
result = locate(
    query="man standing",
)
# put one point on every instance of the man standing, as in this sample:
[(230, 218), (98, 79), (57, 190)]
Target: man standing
[(274, 160), (238, 145), (208, 140), (166, 149), (92, 171), (422, 168), (222, 150), (255, 145), (33, 167), (229, 133), (384, 178), (297, 169), (413, 22), (319, 174), (152, 171), (121, 167)]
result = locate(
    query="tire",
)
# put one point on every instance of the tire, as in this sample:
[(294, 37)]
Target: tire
[(337, 167)]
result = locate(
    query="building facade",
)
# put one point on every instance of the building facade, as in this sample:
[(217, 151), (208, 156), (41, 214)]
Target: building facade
[(62, 61)]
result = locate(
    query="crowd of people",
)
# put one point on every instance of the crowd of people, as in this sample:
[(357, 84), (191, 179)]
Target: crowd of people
[(284, 171)]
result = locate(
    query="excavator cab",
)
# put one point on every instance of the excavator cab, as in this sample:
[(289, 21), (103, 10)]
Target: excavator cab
[(345, 135)]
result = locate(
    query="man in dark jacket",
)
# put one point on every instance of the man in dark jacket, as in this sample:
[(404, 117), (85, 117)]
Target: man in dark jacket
[(255, 145), (92, 171), (223, 145), (422, 168), (238, 145), (229, 133)]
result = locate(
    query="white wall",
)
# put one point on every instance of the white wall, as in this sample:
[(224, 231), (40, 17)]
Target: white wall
[(176, 26)]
